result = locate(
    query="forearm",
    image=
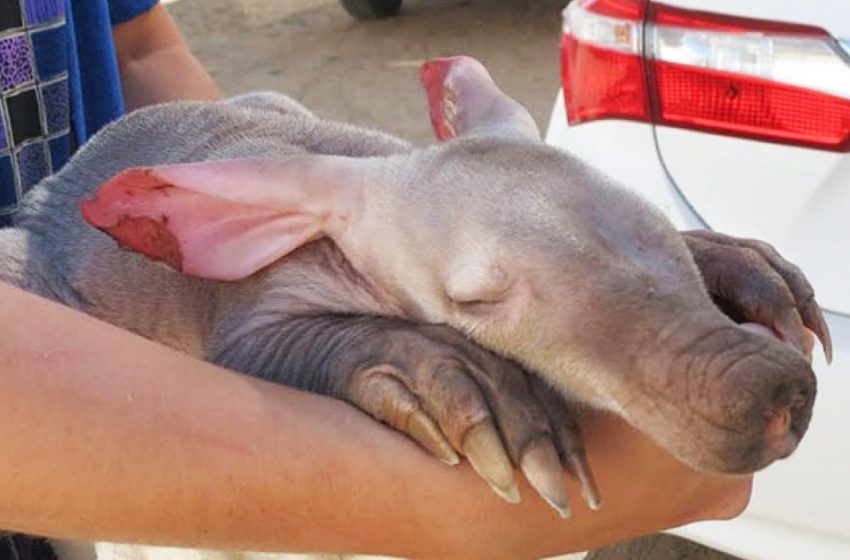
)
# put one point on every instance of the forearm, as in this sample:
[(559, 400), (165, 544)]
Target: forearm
[(105, 436), (156, 64), (169, 75)]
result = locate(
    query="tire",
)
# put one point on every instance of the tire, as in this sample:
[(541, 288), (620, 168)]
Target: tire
[(371, 9)]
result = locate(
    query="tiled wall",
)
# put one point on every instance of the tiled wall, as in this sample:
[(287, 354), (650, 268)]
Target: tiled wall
[(34, 107)]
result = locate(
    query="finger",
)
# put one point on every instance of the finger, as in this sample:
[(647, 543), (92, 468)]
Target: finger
[(378, 392), (568, 440)]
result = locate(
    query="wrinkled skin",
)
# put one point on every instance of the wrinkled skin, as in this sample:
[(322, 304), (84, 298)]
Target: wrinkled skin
[(493, 240), (441, 389)]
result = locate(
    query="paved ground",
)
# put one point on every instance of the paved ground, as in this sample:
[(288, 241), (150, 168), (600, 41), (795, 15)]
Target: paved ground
[(366, 72)]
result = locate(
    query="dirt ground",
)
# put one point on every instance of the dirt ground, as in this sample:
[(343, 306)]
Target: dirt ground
[(366, 72)]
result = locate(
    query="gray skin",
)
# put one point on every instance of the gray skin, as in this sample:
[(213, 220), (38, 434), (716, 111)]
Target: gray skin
[(456, 264)]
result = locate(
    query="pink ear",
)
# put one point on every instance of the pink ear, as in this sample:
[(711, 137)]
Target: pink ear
[(464, 99), (222, 220)]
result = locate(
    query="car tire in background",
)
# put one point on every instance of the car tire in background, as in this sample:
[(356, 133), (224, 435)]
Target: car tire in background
[(371, 9)]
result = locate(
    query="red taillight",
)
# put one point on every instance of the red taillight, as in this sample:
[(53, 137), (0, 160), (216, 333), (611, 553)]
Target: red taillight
[(631, 59), (606, 72), (710, 21), (612, 83), (727, 104), (627, 10)]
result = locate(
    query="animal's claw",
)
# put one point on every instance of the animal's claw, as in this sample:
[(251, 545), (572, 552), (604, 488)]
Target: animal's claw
[(455, 398), (753, 279), (577, 463), (379, 392), (568, 441), (421, 428), (789, 325), (542, 467), (813, 318), (483, 448)]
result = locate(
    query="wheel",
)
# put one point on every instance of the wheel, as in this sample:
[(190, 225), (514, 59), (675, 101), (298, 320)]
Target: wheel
[(371, 9)]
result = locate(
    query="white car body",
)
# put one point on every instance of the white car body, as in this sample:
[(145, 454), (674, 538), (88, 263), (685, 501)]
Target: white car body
[(798, 199)]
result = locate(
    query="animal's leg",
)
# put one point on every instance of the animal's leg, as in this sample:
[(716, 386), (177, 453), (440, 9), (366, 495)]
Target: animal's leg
[(434, 385)]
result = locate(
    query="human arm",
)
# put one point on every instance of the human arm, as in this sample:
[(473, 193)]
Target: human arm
[(156, 64), (106, 436)]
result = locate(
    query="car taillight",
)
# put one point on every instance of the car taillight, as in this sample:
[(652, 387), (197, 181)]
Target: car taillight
[(602, 66), (641, 60)]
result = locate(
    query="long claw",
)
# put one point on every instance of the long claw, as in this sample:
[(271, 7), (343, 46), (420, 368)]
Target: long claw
[(379, 392), (813, 319), (483, 447), (421, 428), (542, 467), (577, 462), (569, 443), (791, 329), (810, 312), (796, 282)]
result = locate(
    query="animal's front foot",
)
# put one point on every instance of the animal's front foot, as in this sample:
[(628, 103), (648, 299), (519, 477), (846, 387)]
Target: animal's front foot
[(750, 279), (455, 398)]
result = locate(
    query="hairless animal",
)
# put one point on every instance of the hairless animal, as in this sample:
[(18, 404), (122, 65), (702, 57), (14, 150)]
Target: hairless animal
[(422, 284)]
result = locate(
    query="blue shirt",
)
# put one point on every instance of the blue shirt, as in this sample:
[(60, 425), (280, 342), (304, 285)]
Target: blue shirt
[(59, 83)]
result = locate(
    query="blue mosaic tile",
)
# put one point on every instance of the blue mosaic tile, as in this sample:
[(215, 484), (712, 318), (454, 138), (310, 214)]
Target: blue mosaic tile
[(32, 165), (10, 15), (4, 140), (24, 116), (8, 196), (60, 151), (51, 57), (39, 11), (55, 97), (15, 67)]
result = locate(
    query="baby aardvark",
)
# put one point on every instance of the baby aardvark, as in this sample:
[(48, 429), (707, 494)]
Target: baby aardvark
[(415, 283)]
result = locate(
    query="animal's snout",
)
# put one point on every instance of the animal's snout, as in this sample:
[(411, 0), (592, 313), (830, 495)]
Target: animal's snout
[(783, 390), (733, 402), (786, 418), (771, 398)]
